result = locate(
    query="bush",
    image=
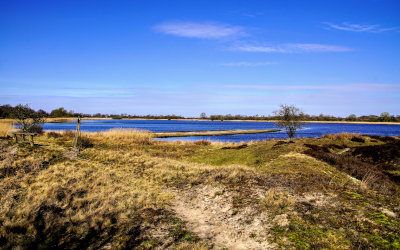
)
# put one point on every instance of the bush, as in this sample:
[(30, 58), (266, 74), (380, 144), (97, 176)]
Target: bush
[(36, 128)]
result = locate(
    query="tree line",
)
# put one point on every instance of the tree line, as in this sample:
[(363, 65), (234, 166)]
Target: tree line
[(383, 117), (8, 111)]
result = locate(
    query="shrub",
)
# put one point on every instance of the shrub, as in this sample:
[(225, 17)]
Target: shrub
[(36, 128)]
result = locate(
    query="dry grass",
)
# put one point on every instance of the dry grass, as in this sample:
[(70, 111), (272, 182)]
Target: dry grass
[(6, 127), (123, 134), (121, 192)]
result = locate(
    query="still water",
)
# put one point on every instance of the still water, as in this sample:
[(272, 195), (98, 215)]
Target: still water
[(309, 129)]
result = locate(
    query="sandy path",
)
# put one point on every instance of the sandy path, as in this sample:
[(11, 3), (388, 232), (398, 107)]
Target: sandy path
[(208, 212)]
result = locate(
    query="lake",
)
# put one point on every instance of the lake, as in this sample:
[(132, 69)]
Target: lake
[(309, 129)]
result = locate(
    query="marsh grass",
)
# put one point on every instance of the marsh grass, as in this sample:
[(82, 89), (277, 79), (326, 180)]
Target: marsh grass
[(119, 136)]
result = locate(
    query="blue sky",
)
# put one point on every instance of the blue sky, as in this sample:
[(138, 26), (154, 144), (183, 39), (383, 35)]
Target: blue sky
[(185, 57)]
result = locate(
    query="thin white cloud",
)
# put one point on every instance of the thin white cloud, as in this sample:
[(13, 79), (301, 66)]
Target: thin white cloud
[(362, 87), (370, 28), (291, 48), (314, 47), (202, 30), (247, 64)]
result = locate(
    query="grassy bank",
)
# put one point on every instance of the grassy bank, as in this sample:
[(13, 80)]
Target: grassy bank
[(125, 190), (213, 132)]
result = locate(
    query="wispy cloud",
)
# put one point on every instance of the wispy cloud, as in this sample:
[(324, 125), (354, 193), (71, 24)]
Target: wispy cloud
[(362, 87), (370, 28), (291, 48), (202, 30), (247, 64)]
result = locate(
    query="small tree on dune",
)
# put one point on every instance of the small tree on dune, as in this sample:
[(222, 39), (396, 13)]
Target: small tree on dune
[(290, 118), (28, 120)]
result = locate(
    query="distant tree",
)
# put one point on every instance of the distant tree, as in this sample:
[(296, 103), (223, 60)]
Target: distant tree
[(203, 116), (6, 111), (290, 118), (385, 117), (42, 113), (28, 120), (59, 112), (351, 117)]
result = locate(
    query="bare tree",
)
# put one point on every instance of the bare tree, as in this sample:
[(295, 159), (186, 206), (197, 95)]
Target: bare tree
[(28, 120), (290, 118)]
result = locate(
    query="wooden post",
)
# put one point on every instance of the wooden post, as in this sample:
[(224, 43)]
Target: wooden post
[(78, 133)]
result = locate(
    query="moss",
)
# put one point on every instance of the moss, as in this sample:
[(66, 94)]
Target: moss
[(303, 235), (381, 219), (354, 195), (378, 242)]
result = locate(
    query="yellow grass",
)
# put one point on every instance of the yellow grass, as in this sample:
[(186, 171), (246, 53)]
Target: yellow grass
[(6, 127), (123, 135)]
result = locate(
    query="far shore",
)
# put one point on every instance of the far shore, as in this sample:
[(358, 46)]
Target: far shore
[(73, 119)]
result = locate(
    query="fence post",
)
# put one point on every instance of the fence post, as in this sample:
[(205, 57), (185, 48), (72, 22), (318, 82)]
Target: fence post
[(78, 133)]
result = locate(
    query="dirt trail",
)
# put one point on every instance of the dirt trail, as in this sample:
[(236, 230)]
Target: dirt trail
[(208, 212)]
